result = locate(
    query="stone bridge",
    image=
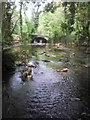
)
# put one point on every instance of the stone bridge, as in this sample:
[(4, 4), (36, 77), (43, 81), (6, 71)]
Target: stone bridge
[(39, 39)]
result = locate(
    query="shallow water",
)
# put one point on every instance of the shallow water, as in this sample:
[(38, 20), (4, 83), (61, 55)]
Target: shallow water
[(50, 94)]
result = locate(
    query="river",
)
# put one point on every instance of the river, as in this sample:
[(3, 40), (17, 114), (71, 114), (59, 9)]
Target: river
[(50, 94)]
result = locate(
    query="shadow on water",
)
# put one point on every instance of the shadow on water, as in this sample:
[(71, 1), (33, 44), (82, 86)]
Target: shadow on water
[(73, 85)]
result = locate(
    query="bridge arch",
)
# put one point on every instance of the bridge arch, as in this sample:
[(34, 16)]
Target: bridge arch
[(40, 39)]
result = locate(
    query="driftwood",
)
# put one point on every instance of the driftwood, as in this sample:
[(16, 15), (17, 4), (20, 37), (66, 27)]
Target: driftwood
[(63, 70)]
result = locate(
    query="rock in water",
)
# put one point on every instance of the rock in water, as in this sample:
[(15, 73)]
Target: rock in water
[(64, 70), (73, 54), (58, 70), (31, 64), (53, 56), (41, 72), (47, 55), (36, 62)]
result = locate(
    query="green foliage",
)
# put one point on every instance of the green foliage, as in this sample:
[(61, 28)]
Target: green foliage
[(50, 24), (28, 30), (77, 21), (8, 22), (68, 22), (58, 21), (67, 25)]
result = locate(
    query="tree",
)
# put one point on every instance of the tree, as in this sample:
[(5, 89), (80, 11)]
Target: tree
[(76, 20), (21, 21), (82, 22), (7, 24), (50, 24)]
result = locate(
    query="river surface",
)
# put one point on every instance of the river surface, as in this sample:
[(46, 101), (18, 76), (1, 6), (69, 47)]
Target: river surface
[(50, 94)]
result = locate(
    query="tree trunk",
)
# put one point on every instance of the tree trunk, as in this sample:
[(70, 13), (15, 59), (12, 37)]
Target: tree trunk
[(21, 21)]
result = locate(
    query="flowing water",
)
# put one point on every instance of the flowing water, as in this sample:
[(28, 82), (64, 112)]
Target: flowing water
[(50, 94)]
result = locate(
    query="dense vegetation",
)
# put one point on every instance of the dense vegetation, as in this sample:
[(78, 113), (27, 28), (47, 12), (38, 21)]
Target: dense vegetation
[(62, 22), (66, 22)]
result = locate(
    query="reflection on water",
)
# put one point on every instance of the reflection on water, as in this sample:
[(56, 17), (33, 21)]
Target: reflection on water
[(15, 81), (50, 91), (74, 59)]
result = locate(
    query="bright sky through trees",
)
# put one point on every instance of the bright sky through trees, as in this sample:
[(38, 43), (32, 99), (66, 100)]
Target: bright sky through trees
[(33, 6)]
